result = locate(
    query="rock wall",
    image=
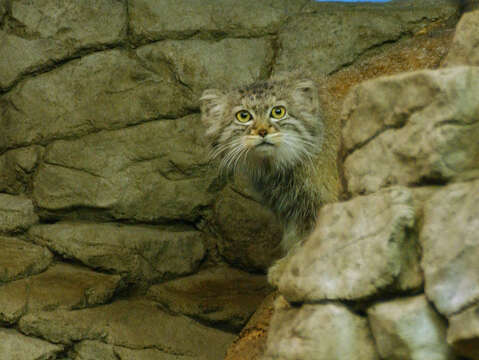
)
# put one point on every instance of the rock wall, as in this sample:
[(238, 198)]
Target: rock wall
[(118, 240)]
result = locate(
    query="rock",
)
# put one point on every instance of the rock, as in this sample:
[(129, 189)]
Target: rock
[(414, 127), (208, 18), (463, 332), (464, 48), (139, 253), (20, 259), (105, 90), (17, 346), (317, 332), (150, 172), (17, 167), (451, 247), (251, 342), (134, 324), (94, 350), (219, 295), (359, 249), (249, 233), (13, 301), (16, 213), (202, 64), (305, 44), (409, 328)]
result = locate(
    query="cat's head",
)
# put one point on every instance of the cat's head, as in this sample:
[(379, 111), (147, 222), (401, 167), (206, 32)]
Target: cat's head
[(276, 122)]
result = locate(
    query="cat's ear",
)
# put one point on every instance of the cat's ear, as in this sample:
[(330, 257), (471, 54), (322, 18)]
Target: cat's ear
[(305, 94), (213, 105)]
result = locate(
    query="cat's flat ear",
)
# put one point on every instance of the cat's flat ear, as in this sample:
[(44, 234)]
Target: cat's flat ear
[(305, 93), (212, 104)]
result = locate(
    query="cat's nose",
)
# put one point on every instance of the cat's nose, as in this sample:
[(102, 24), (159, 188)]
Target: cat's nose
[(262, 132)]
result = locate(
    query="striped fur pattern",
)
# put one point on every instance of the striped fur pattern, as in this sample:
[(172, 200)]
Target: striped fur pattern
[(278, 154)]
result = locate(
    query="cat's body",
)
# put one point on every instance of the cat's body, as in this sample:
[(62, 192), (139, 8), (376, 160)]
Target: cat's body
[(273, 131)]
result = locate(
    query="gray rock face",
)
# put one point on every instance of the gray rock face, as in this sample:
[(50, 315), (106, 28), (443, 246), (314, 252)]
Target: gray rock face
[(410, 127), (409, 329), (16, 213), (305, 42), (149, 172), (17, 346), (465, 46), (19, 259), (317, 332), (135, 324), (463, 332), (451, 247), (359, 248), (218, 295), (139, 253), (17, 167), (99, 91)]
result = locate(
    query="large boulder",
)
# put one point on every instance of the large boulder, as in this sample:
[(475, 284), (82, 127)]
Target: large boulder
[(465, 46)]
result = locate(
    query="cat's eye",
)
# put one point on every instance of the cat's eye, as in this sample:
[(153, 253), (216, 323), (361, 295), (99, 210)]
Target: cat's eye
[(243, 116), (278, 112)]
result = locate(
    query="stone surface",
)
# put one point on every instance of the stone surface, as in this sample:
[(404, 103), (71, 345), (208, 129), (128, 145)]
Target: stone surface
[(135, 324), (304, 43), (17, 168), (13, 301), (104, 90), (359, 249), (15, 346), (409, 328), (207, 18), (414, 127), (465, 46), (218, 295), (202, 64), (317, 332), (249, 233), (139, 253), (150, 172), (49, 31), (451, 247), (463, 332), (16, 213), (19, 259)]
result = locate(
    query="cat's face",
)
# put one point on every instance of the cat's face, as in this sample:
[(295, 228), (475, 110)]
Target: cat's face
[(277, 122)]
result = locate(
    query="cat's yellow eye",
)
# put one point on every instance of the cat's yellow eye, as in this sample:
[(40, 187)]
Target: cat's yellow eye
[(278, 112), (243, 116)]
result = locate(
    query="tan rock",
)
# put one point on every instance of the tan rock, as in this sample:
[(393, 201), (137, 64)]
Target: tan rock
[(463, 332), (219, 295), (317, 332), (409, 328), (16, 213), (13, 301), (17, 346), (17, 167), (413, 127), (139, 253), (19, 259), (94, 350), (359, 249), (464, 48), (451, 247)]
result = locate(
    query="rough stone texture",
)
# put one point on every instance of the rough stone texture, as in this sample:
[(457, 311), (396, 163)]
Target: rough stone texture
[(19, 259), (202, 64), (317, 332), (413, 127), (217, 295), (15, 346), (409, 329), (16, 213), (135, 324), (148, 172), (139, 253), (360, 248), (463, 332), (249, 232), (451, 247), (17, 167), (47, 31), (465, 46), (104, 90), (305, 43), (153, 20)]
